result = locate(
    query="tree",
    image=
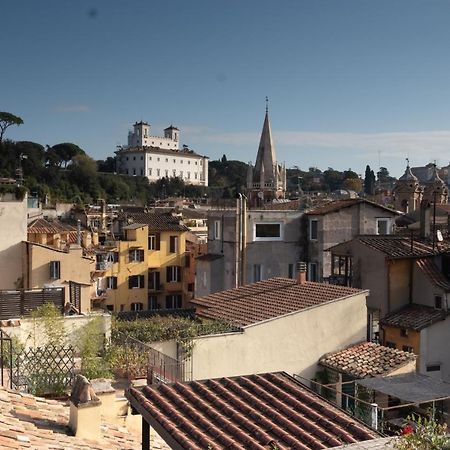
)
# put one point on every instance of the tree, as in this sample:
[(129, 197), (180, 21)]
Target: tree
[(353, 184), (6, 120), (224, 158), (369, 181), (62, 154), (383, 175)]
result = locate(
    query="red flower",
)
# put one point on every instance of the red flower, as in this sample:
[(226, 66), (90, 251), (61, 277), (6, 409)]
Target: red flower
[(407, 429)]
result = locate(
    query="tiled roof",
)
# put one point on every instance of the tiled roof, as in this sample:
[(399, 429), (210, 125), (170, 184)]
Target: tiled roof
[(263, 411), (337, 205), (49, 227), (267, 299), (28, 422), (434, 274), (155, 221), (367, 360), (293, 205), (414, 317), (375, 444), (401, 247)]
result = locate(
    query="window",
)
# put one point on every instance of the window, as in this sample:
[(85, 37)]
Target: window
[(150, 172), (181, 174), (134, 171), (312, 272), (191, 287), (55, 269), (153, 280), (173, 301), (136, 282), (383, 226), (110, 307), (152, 302), (195, 175), (313, 229), (408, 348), (257, 272), (173, 245), (134, 158), (158, 172), (173, 274), (136, 255), (268, 232), (167, 173), (433, 368), (142, 172), (142, 158), (403, 332), (391, 344), (174, 172), (217, 229), (137, 307), (438, 302), (154, 241), (115, 257), (189, 175), (111, 282), (167, 159)]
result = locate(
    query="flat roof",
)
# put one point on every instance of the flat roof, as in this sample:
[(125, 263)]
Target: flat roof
[(413, 387)]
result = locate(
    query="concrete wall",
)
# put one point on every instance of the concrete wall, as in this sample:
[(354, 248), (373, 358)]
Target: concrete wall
[(341, 226), (293, 343), (209, 277), (30, 332), (434, 349), (13, 223)]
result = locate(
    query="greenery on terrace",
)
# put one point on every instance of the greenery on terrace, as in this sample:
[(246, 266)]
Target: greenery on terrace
[(164, 328)]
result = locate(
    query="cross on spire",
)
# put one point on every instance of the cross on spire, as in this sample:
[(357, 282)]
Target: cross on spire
[(267, 104)]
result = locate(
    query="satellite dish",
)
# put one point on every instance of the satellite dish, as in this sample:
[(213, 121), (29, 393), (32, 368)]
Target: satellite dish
[(439, 236)]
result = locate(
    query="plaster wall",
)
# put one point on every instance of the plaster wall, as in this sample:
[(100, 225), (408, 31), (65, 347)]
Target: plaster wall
[(293, 343), (13, 223)]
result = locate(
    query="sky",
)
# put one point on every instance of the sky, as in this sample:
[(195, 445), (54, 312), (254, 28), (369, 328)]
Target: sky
[(350, 82)]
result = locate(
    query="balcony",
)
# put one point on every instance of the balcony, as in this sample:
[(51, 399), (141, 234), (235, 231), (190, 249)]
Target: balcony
[(174, 286), (102, 266), (156, 288)]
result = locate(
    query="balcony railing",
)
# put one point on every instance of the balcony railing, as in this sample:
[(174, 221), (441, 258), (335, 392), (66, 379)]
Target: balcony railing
[(101, 266)]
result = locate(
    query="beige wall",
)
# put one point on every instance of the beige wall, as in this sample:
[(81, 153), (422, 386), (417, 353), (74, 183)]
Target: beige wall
[(74, 267), (28, 333), (13, 226), (293, 343)]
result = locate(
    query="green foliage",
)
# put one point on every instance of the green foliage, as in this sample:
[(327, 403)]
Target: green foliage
[(425, 434), (126, 361), (6, 120), (49, 324), (227, 176), (90, 342)]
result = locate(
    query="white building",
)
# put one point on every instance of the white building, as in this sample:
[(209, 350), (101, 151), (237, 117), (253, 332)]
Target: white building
[(161, 157)]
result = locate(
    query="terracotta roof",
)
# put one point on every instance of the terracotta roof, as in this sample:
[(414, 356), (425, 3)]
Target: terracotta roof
[(337, 205), (28, 422), (434, 274), (267, 299), (293, 205), (155, 221), (367, 360), (247, 412), (49, 227), (414, 317), (400, 246)]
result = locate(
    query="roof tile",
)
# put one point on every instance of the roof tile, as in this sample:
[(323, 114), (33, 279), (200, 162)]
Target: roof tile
[(414, 317)]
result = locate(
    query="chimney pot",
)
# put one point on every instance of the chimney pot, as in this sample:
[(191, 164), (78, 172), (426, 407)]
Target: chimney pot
[(301, 274)]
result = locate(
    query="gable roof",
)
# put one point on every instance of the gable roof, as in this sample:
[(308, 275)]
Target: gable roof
[(414, 317), (268, 299), (397, 246), (28, 422), (427, 266), (155, 221), (251, 412), (337, 205), (49, 227), (367, 359)]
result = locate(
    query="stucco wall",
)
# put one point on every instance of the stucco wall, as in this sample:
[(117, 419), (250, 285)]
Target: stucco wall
[(293, 343), (13, 223), (30, 332), (434, 349), (399, 273), (424, 290)]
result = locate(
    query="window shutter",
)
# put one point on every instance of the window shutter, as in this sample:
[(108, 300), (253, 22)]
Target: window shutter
[(141, 281), (114, 282), (158, 242), (187, 260), (130, 282), (168, 274), (157, 279), (172, 244), (116, 257), (178, 273), (141, 255)]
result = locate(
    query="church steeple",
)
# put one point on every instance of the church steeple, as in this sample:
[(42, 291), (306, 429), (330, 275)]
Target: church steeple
[(267, 180)]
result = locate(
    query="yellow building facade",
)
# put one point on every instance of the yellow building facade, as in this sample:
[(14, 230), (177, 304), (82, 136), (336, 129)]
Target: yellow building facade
[(145, 270)]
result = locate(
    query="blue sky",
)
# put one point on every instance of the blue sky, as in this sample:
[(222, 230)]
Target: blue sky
[(350, 82)]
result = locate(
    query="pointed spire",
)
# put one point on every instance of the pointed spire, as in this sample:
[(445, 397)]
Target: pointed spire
[(266, 151), (408, 175), (267, 104)]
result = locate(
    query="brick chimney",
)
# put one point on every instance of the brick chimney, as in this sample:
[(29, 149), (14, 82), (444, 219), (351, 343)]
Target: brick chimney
[(85, 410), (301, 272)]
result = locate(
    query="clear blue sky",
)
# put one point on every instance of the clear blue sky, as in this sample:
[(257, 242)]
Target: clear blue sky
[(350, 82)]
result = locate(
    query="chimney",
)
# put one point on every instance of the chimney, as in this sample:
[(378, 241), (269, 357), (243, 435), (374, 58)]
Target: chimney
[(301, 272), (425, 218), (85, 409)]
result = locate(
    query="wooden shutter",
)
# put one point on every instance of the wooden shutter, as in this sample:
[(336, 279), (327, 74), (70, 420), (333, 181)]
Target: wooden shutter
[(168, 274), (158, 241), (130, 282), (141, 281)]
